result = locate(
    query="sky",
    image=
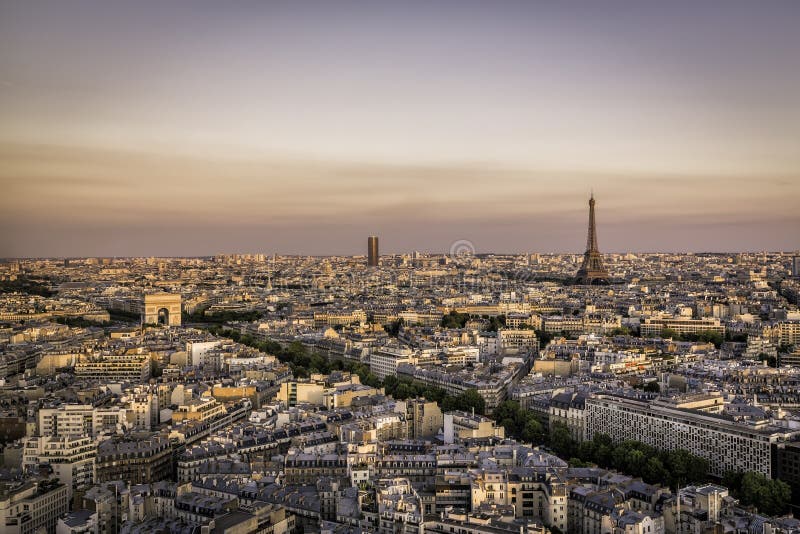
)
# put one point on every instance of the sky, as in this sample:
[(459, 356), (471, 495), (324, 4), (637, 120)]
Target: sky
[(183, 128)]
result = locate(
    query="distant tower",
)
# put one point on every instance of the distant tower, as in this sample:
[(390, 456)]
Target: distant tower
[(372, 251), (592, 270)]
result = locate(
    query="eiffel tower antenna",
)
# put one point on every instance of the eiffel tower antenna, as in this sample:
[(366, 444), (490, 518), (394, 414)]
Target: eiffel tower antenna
[(591, 239)]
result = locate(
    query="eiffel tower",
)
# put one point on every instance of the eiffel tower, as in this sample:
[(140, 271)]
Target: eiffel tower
[(592, 271)]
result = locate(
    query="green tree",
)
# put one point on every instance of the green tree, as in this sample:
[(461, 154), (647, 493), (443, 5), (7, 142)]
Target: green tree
[(620, 457), (390, 383), (533, 431), (652, 387), (508, 424), (454, 320), (636, 463), (393, 328), (371, 380), (685, 467), (770, 497), (496, 322), (772, 361), (296, 349), (518, 422), (435, 394), (319, 363), (543, 337), (620, 331), (465, 401), (670, 333), (603, 450), (561, 440), (404, 391), (506, 410), (577, 462), (586, 451), (655, 472), (472, 399), (604, 455)]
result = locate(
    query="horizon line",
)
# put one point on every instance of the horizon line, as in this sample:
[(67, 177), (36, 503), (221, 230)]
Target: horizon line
[(792, 252)]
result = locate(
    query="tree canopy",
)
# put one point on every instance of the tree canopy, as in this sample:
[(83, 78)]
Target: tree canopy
[(675, 468), (769, 496)]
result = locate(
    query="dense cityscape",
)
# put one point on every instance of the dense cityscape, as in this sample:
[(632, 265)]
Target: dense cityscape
[(414, 393), (399, 267)]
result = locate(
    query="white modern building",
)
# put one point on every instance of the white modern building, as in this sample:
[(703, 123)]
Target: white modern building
[(384, 361), (72, 458), (726, 444)]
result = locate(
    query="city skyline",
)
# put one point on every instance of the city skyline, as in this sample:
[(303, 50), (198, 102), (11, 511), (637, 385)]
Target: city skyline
[(364, 267), (151, 130)]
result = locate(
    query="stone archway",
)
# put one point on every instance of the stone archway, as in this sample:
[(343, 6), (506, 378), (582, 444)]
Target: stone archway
[(162, 308)]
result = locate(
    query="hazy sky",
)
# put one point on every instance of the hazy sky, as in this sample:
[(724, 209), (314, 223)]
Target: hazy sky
[(190, 128)]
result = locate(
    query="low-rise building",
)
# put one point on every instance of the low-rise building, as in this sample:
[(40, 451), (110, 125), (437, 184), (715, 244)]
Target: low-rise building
[(72, 458), (136, 459), (32, 506)]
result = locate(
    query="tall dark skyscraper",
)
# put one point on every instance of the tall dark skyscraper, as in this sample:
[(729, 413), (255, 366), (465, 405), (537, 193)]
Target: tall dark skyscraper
[(592, 270), (372, 251)]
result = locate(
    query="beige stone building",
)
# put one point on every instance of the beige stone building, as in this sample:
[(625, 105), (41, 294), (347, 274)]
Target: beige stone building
[(424, 418), (162, 308), (202, 409), (30, 507)]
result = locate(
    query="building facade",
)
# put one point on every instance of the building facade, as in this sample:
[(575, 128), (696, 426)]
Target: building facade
[(32, 507), (373, 257), (135, 459), (726, 444)]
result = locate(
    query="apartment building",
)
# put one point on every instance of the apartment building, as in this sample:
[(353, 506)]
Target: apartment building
[(294, 393), (417, 468), (556, 324), (115, 367), (453, 489), (569, 408), (202, 409), (31, 507), (681, 325), (80, 419), (484, 521), (136, 459), (728, 445), (512, 341), (385, 361), (72, 458), (373, 428), (339, 319), (424, 418), (309, 468), (464, 425), (788, 332)]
